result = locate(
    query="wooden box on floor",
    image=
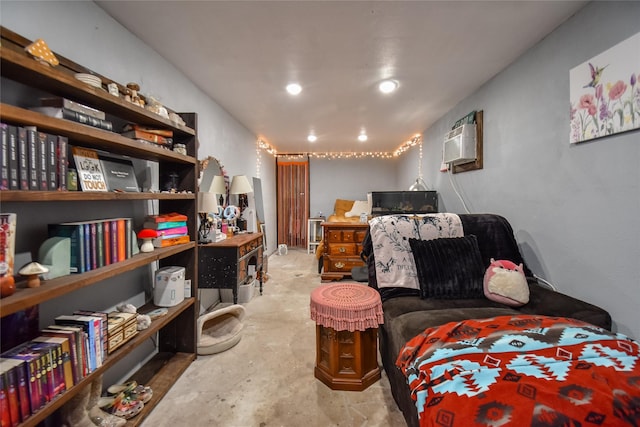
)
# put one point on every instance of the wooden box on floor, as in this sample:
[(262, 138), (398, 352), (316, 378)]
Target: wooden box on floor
[(347, 360)]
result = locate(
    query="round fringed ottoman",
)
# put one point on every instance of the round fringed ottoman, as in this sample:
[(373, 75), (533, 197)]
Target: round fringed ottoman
[(347, 316), (219, 330)]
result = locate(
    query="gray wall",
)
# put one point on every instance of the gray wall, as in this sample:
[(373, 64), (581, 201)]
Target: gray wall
[(349, 179), (573, 207)]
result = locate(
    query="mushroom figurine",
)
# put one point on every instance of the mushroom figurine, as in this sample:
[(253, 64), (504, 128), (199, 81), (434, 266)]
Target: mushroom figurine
[(147, 235), (32, 272)]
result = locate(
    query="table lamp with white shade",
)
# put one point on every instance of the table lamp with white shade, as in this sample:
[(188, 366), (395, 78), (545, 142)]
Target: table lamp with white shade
[(240, 185)]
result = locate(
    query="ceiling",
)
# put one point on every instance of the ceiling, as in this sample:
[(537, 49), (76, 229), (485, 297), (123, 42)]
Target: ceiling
[(243, 53)]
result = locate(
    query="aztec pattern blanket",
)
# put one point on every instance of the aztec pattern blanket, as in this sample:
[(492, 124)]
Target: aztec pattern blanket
[(523, 370), (390, 235)]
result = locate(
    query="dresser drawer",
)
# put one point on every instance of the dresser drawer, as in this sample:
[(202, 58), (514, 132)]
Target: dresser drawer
[(343, 249), (341, 235), (344, 264)]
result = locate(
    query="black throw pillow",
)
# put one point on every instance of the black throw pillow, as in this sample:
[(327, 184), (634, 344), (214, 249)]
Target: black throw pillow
[(449, 268)]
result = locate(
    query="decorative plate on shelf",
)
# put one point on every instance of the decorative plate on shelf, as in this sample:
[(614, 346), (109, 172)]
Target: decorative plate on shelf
[(89, 79)]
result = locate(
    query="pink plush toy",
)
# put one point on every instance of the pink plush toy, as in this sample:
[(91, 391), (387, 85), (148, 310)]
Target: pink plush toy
[(504, 282)]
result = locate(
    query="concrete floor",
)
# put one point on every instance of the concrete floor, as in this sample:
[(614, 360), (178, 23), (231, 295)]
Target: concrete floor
[(267, 378)]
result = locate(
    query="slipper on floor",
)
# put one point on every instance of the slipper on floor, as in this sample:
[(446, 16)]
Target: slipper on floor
[(119, 388), (121, 406)]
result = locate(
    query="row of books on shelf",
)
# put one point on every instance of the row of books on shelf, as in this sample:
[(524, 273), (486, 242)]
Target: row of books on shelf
[(32, 160), (63, 108), (97, 243), (37, 371)]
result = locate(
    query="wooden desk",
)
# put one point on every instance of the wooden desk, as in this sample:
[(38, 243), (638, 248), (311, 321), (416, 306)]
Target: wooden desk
[(225, 264)]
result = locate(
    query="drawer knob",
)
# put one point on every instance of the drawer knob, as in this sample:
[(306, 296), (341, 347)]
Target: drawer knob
[(340, 264), (342, 249)]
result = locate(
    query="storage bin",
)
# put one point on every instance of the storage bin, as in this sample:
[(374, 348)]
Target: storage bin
[(245, 293)]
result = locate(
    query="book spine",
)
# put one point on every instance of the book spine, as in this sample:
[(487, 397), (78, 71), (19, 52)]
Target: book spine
[(63, 162), (14, 183), (128, 236), (8, 384), (4, 158), (114, 241), (87, 247), (94, 245), (86, 119), (43, 170), (52, 161), (23, 391), (32, 142), (23, 159), (100, 242), (173, 232), (122, 239), (107, 241)]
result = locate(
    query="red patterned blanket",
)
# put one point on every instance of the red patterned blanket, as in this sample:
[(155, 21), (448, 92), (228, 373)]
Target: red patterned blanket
[(523, 371)]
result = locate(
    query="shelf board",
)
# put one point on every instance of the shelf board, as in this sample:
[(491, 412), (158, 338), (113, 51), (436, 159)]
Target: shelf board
[(91, 136), (26, 297), (178, 362), (19, 66), (160, 373), (85, 196)]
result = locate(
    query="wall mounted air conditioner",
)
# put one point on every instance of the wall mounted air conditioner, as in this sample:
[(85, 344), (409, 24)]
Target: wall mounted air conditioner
[(460, 145)]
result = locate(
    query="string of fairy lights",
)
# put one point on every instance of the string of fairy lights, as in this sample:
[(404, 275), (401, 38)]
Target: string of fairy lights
[(262, 145)]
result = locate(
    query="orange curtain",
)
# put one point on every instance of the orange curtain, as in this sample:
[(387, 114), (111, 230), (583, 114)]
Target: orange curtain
[(293, 202)]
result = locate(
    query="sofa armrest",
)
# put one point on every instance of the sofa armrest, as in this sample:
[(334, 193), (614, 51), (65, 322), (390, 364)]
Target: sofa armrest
[(551, 303)]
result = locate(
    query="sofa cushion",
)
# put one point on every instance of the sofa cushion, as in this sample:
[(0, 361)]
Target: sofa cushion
[(448, 267)]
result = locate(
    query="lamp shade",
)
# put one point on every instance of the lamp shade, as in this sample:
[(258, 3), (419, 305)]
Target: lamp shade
[(218, 186), (207, 202), (240, 185)]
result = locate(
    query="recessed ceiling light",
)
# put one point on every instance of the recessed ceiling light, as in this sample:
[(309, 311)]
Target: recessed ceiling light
[(312, 138), (294, 88), (388, 86), (362, 137)]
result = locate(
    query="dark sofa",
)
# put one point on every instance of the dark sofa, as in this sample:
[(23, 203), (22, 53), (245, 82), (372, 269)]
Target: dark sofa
[(406, 314)]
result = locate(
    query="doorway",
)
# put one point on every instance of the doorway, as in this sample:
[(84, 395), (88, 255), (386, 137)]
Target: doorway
[(292, 201)]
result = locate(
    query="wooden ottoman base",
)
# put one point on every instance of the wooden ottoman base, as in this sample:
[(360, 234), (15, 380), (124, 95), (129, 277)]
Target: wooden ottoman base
[(347, 360)]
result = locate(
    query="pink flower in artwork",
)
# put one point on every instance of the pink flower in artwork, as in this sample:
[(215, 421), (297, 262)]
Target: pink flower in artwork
[(587, 102), (599, 91), (617, 90)]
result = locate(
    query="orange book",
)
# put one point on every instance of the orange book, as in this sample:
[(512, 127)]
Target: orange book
[(122, 239), (168, 217), (163, 243)]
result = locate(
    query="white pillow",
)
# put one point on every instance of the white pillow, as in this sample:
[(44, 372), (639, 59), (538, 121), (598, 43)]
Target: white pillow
[(359, 206)]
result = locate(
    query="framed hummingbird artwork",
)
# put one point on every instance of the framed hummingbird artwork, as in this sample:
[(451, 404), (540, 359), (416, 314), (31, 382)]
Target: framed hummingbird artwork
[(605, 93)]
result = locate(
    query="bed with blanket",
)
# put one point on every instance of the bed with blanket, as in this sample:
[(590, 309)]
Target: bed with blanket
[(457, 358)]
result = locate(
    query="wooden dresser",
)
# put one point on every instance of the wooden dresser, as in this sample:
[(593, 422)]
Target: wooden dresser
[(342, 247)]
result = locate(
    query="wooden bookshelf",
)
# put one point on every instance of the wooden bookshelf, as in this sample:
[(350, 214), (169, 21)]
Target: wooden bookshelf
[(176, 331)]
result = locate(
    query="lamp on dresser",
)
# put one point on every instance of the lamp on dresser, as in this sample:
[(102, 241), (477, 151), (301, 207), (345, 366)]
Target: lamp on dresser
[(218, 186), (240, 185), (206, 204)]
